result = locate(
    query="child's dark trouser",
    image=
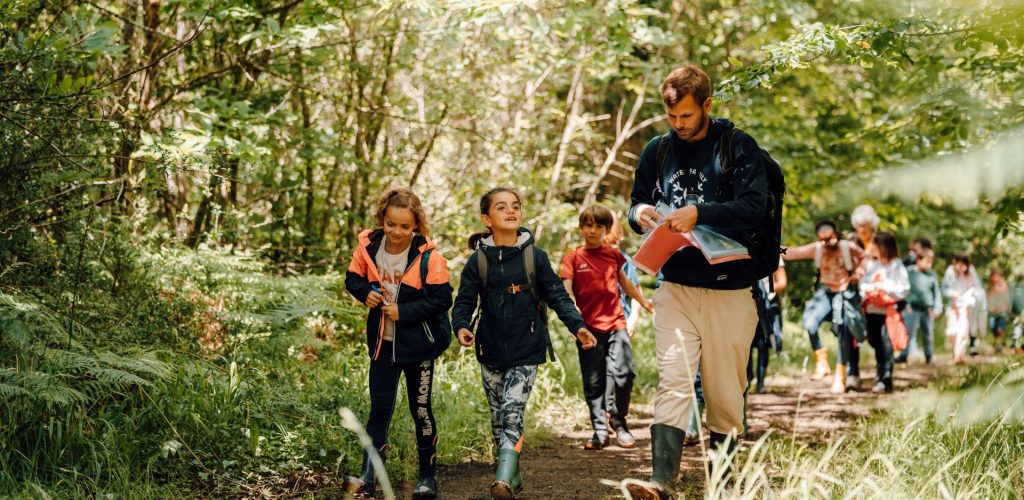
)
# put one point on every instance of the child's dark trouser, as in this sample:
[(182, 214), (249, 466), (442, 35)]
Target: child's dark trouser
[(507, 393), (621, 372), (919, 318), (608, 375), (759, 369), (419, 381), (879, 339)]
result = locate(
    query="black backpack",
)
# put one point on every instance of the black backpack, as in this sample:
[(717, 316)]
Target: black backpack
[(446, 321), (764, 243), (530, 268)]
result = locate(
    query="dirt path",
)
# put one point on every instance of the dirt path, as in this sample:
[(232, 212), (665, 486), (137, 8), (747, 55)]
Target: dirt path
[(564, 470)]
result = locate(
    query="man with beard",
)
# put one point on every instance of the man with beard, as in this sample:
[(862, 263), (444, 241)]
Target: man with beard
[(705, 314)]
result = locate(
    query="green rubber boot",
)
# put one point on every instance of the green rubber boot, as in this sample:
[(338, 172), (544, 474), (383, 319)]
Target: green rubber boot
[(507, 481), (666, 452)]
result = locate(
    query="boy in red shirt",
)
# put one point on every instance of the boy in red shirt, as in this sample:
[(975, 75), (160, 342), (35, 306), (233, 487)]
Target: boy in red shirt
[(593, 274)]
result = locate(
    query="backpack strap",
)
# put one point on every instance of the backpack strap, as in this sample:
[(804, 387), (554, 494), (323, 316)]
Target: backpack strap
[(424, 263), (530, 266), (844, 248), (818, 250), (481, 268), (726, 154), (661, 156)]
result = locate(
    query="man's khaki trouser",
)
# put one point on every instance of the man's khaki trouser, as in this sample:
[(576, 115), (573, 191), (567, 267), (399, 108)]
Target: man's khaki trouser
[(715, 328)]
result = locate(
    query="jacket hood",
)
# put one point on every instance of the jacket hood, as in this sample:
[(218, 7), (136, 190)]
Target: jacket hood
[(371, 239), (493, 251)]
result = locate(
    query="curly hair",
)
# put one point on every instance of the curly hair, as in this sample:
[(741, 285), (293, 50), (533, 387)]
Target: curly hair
[(400, 197)]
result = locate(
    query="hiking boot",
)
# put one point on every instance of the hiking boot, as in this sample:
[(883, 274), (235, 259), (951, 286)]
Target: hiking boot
[(365, 485), (426, 487), (666, 452), (597, 442), (852, 383), (881, 387), (691, 440), (902, 358), (821, 369), (716, 448), (839, 382), (759, 388), (358, 488), (624, 438), (507, 476)]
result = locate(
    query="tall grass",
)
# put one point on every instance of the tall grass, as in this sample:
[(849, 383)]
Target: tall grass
[(961, 439)]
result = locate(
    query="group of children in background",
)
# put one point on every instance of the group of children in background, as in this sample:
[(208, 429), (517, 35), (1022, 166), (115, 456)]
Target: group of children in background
[(867, 292), (507, 284), (500, 310)]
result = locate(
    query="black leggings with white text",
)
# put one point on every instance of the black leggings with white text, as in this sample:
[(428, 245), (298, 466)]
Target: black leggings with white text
[(419, 382)]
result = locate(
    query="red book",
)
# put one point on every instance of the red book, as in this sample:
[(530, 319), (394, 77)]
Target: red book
[(660, 244)]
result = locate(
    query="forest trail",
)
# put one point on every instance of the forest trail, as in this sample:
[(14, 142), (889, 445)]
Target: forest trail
[(562, 469)]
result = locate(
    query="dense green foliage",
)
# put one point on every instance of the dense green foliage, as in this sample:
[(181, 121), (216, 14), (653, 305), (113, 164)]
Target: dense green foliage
[(181, 183)]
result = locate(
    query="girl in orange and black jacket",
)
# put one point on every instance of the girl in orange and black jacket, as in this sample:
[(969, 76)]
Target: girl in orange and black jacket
[(397, 272)]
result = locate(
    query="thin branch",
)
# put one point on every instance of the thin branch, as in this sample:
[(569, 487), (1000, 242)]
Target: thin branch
[(426, 152), (132, 22), (199, 29), (45, 140)]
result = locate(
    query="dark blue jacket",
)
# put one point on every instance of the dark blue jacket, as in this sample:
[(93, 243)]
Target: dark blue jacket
[(728, 207), (421, 332), (511, 331)]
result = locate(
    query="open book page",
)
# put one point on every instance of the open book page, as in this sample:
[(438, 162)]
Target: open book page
[(660, 244), (717, 246)]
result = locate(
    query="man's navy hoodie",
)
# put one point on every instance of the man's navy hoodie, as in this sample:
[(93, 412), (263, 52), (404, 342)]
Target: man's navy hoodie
[(511, 330), (727, 207)]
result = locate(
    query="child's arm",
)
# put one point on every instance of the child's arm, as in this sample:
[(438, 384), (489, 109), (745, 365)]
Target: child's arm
[(439, 293), (634, 291), (634, 318), (936, 298), (898, 286), (568, 272), (358, 285), (781, 281), (552, 292), (466, 301)]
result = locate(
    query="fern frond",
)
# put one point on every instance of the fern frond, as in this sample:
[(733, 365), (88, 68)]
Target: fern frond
[(8, 392), (119, 378)]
